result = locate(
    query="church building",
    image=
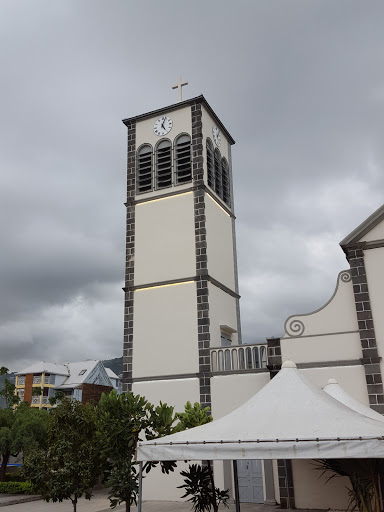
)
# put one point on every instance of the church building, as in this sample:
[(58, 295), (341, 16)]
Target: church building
[(182, 335)]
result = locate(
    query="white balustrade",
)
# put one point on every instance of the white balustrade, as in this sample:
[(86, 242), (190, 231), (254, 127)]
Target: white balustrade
[(21, 381), (238, 357)]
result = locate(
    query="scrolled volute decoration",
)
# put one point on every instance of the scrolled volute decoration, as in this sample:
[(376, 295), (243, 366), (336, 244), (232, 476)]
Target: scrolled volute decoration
[(295, 327), (345, 276)]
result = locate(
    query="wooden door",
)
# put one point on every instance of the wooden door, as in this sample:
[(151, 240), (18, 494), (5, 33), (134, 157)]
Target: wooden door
[(250, 477)]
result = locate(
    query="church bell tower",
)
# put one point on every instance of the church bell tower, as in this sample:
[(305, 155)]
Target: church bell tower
[(181, 290)]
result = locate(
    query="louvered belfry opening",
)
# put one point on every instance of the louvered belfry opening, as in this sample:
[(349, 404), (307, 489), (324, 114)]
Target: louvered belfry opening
[(218, 174), (164, 164), (144, 169), (210, 165), (225, 182), (183, 159)]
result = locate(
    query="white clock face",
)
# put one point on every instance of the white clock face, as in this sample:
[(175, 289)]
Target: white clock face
[(216, 135), (162, 126)]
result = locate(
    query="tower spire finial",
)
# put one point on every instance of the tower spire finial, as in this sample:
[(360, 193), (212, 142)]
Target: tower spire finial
[(179, 86)]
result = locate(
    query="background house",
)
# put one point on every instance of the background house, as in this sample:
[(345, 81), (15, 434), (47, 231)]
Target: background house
[(84, 381)]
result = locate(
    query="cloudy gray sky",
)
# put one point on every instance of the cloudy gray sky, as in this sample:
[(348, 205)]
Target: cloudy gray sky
[(298, 83)]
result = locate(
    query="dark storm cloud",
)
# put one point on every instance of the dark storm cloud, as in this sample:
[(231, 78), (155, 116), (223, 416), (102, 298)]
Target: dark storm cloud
[(298, 84)]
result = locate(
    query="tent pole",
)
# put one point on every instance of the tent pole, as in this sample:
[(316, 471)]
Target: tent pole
[(236, 483), (140, 487)]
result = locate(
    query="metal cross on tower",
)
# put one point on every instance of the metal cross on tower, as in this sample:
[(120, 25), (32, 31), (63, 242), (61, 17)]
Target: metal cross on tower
[(179, 86)]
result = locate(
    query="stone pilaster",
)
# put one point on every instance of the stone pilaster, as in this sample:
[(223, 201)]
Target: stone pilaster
[(274, 356), (287, 497), (370, 359), (203, 320), (129, 262)]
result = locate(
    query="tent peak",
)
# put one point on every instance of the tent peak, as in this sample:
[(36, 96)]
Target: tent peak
[(332, 381), (288, 364)]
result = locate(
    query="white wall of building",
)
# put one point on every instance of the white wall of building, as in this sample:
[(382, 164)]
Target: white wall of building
[(336, 347), (376, 233), (165, 343), (165, 239), (337, 315), (231, 391), (208, 123), (313, 492), (221, 264), (182, 122), (222, 311), (350, 378), (374, 268), (175, 392)]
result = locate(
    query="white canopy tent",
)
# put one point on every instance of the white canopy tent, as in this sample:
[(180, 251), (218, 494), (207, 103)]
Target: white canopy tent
[(335, 390), (289, 418)]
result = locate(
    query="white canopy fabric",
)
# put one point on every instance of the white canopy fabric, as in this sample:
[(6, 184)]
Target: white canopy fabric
[(289, 418), (334, 389)]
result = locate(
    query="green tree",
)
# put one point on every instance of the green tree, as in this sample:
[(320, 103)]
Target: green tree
[(121, 419), (70, 467), (8, 391), (21, 430), (199, 482)]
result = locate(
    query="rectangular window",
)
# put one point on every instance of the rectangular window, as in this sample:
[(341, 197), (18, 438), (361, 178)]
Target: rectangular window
[(226, 340)]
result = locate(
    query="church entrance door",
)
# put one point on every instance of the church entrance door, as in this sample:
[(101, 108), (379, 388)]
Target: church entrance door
[(250, 477)]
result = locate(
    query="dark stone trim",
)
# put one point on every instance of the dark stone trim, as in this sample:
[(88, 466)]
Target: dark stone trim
[(184, 280), (183, 191), (374, 244), (329, 364), (198, 100), (162, 196), (130, 260), (317, 335), (240, 372), (223, 288), (273, 356), (284, 466), (361, 230), (217, 200), (370, 359), (203, 320), (163, 283), (166, 377), (287, 496)]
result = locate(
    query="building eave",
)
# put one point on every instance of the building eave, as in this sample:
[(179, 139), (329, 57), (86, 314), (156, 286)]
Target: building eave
[(177, 106), (364, 228)]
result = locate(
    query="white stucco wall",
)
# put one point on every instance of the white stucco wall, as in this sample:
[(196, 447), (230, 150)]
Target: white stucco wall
[(165, 341), (350, 378), (182, 122), (374, 266), (376, 233), (312, 491), (230, 391), (338, 315), (219, 244), (165, 239), (222, 311), (208, 123), (225, 148), (336, 347), (175, 392)]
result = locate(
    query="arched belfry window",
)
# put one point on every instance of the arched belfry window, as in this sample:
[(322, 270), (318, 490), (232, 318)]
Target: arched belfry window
[(218, 174), (210, 165), (183, 166), (163, 164), (144, 174), (225, 182)]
